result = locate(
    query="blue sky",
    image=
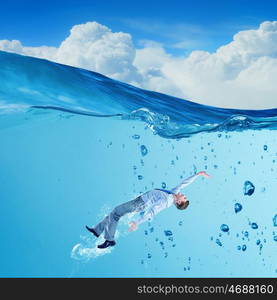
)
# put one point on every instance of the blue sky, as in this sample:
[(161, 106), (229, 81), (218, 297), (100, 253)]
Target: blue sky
[(179, 25)]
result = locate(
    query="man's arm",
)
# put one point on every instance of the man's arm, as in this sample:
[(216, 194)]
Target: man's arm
[(147, 216), (188, 181)]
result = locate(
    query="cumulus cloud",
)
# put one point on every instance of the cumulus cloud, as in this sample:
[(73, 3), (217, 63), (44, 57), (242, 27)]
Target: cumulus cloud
[(90, 46), (240, 74), (95, 47), (16, 47)]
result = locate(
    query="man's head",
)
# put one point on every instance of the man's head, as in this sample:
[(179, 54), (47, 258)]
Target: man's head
[(180, 201)]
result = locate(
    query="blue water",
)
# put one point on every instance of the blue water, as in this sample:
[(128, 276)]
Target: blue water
[(75, 143)]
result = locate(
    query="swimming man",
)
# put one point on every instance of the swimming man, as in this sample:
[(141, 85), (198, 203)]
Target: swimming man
[(148, 205)]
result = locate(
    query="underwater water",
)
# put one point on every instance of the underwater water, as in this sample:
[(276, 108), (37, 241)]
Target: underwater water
[(74, 144)]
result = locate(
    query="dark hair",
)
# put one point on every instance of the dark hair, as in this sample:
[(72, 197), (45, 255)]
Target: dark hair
[(182, 206)]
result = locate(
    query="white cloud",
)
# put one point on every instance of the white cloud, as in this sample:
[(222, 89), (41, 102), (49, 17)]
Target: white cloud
[(95, 47), (240, 74), (149, 62), (16, 47), (90, 46)]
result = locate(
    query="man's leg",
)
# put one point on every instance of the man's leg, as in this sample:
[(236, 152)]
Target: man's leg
[(99, 228), (117, 213)]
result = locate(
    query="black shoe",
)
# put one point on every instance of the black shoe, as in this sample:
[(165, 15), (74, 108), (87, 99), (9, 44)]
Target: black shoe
[(106, 244), (92, 231)]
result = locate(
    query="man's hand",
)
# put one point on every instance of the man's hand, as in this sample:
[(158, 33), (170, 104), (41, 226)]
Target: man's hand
[(203, 173), (133, 226)]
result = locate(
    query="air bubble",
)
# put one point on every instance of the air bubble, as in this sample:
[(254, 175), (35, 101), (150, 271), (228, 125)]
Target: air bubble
[(224, 228), (143, 150), (248, 188), (168, 233), (218, 242), (238, 207), (254, 226)]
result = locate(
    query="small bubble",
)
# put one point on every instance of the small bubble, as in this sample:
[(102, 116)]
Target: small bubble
[(265, 147), (275, 238), (274, 220), (243, 248), (254, 226), (238, 207), (248, 188), (258, 242), (224, 228), (140, 177), (143, 150), (239, 247), (149, 255), (168, 232), (163, 185), (218, 242)]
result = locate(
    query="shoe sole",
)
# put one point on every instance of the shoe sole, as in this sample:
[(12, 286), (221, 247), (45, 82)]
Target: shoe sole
[(106, 247)]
